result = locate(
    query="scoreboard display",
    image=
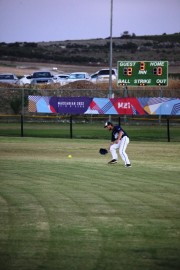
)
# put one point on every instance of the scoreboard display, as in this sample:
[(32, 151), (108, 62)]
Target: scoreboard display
[(143, 73)]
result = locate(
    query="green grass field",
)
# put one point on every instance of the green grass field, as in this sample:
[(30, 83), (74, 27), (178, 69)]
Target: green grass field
[(80, 213)]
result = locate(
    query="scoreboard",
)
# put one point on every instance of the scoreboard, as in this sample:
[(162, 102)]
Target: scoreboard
[(142, 73)]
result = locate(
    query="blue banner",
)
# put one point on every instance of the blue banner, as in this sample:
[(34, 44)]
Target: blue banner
[(106, 106)]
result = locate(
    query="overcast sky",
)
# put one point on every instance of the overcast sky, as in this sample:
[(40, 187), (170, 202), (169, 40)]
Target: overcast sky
[(57, 20)]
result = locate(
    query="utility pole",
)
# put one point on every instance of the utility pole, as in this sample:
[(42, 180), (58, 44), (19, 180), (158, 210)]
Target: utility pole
[(110, 52)]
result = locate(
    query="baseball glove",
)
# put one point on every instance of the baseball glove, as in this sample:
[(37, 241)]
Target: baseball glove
[(103, 151)]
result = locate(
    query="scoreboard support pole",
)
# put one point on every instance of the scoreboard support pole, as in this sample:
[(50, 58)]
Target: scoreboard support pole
[(161, 92), (161, 95), (125, 91)]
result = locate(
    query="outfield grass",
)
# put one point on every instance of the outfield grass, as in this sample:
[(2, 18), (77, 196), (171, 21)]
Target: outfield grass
[(80, 213)]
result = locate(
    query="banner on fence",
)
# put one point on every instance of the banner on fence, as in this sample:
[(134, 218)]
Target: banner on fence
[(116, 106)]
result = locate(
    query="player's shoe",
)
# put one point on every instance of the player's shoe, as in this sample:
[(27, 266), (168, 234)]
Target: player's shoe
[(128, 165), (113, 161)]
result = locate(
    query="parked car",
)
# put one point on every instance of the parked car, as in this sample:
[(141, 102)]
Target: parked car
[(60, 78), (25, 80), (77, 76), (41, 77), (8, 78), (103, 75), (94, 77)]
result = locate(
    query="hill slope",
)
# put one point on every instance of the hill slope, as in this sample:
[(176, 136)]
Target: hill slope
[(95, 52)]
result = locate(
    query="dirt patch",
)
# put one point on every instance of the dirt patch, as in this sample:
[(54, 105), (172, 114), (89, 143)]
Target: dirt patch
[(24, 68)]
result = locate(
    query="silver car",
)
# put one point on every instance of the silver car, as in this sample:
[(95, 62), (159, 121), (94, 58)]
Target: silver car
[(8, 78), (77, 76), (103, 75), (41, 77)]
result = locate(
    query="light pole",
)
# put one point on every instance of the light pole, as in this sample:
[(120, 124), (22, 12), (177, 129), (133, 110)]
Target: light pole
[(110, 52)]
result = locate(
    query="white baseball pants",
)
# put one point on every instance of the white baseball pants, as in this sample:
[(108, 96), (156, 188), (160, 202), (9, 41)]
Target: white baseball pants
[(121, 145)]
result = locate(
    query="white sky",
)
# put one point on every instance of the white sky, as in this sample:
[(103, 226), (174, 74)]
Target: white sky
[(57, 20)]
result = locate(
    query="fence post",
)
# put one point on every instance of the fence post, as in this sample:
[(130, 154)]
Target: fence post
[(119, 121), (168, 131), (22, 113), (71, 134)]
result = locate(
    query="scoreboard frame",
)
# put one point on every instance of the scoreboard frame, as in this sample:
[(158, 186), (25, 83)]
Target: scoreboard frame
[(142, 73)]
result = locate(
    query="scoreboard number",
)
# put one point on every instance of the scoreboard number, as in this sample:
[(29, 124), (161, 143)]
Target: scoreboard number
[(158, 71), (142, 66), (143, 73), (127, 71)]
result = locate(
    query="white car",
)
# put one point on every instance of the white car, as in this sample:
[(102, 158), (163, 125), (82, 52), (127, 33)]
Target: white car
[(25, 80), (94, 77), (103, 75), (60, 78), (77, 76)]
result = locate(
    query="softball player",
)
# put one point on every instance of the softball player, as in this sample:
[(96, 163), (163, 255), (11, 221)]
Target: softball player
[(119, 140)]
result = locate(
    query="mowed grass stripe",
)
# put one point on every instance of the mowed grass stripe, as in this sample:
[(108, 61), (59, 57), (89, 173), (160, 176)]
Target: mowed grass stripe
[(27, 229), (62, 213), (81, 213)]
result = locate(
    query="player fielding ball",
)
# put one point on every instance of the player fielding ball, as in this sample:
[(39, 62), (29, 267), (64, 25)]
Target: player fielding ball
[(120, 141)]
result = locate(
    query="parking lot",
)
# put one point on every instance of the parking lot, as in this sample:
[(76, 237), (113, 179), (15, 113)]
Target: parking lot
[(33, 73)]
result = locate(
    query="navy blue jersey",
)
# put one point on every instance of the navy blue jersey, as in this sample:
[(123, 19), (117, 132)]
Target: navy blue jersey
[(115, 133)]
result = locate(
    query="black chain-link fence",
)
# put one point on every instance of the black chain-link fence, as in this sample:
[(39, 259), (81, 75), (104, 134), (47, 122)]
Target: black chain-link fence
[(16, 120)]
